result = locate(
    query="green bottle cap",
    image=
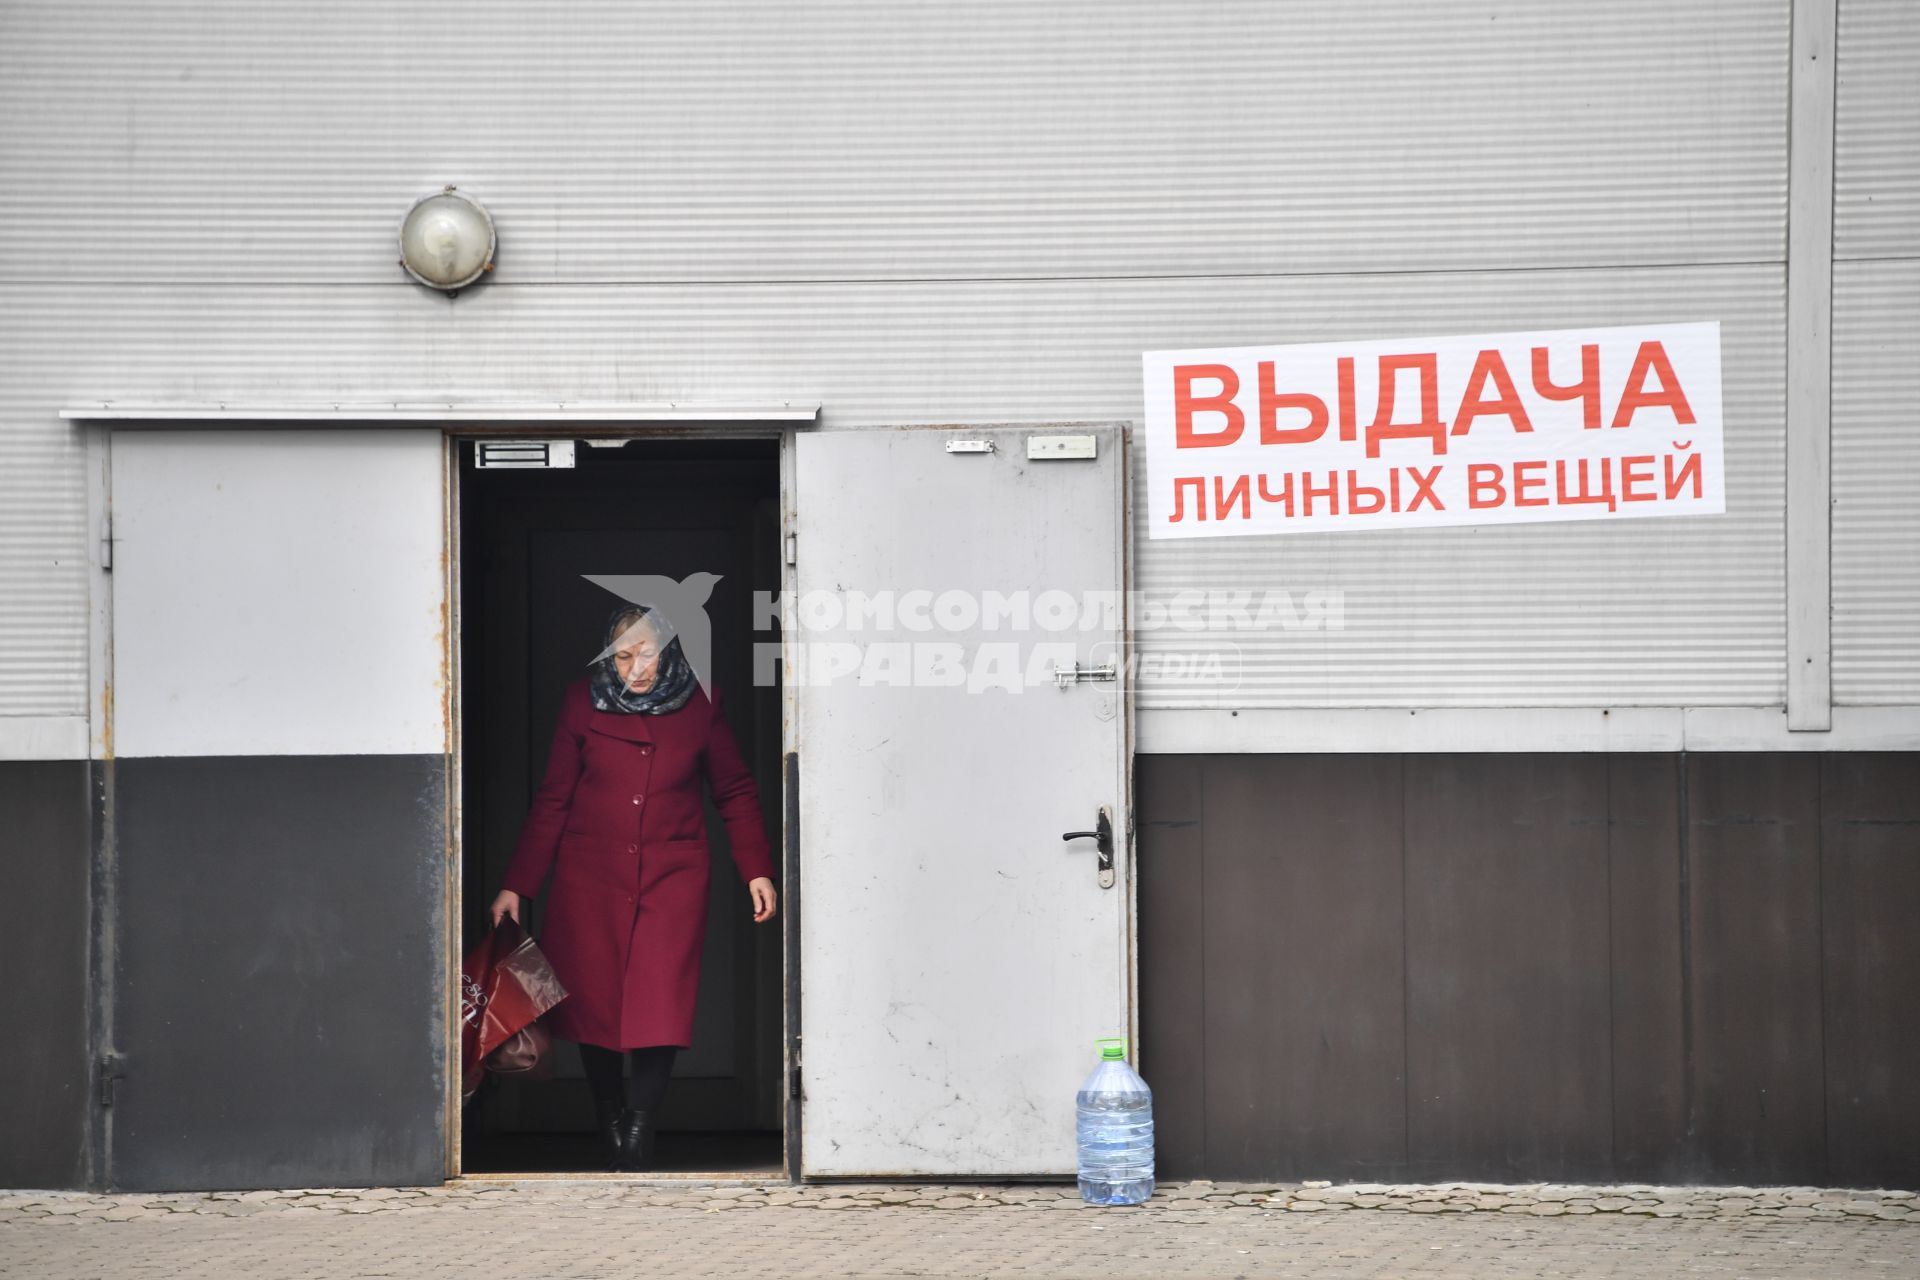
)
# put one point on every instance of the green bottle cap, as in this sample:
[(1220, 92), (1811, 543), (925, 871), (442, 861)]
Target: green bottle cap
[(1112, 1047)]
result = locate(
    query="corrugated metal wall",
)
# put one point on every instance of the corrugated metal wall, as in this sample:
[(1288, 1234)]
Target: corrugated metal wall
[(1673, 612), (1876, 355), (970, 212), (1876, 180), (245, 141)]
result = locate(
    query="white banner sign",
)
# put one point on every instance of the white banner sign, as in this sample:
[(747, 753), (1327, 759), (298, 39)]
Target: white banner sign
[(1565, 424)]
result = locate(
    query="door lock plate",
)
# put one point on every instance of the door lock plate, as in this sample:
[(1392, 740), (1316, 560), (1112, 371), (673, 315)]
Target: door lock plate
[(1102, 836)]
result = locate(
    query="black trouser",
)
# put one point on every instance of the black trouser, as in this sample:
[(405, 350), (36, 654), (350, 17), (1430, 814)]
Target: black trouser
[(652, 1066)]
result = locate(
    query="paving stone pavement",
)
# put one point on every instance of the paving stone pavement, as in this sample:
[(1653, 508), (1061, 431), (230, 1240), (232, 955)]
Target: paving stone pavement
[(599, 1227)]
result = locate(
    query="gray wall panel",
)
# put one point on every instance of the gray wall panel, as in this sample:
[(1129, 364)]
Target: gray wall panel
[(1658, 612), (47, 1107), (43, 544), (1876, 181), (281, 994), (981, 212), (1876, 480), (1684, 611), (746, 141)]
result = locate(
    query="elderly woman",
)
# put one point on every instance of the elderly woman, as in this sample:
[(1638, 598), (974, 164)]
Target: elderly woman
[(618, 820)]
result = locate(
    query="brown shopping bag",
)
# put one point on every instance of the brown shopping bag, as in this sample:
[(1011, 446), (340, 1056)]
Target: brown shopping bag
[(505, 984)]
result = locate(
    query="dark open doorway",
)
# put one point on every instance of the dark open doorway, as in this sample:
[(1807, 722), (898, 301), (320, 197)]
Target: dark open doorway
[(529, 623)]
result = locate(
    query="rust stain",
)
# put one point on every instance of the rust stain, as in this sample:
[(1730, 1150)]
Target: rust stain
[(446, 679), (106, 712), (450, 818)]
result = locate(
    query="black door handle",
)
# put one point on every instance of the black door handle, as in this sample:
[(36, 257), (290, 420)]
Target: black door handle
[(1102, 836)]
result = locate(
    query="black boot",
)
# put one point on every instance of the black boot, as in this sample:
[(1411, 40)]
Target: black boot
[(636, 1140), (609, 1121)]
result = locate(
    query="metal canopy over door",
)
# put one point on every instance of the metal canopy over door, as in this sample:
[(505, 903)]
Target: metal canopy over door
[(958, 956)]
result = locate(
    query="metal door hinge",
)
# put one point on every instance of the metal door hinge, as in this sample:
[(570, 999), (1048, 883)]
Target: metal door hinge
[(793, 1082), (106, 1069), (106, 542), (793, 549)]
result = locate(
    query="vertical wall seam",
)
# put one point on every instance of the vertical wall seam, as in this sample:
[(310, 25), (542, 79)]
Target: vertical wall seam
[(793, 1099), (1406, 991), (1206, 1102), (1685, 811), (100, 955), (1821, 765), (1613, 1060), (104, 860), (1809, 368)]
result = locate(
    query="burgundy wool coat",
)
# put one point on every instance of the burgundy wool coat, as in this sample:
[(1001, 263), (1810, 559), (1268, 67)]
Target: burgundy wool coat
[(618, 821)]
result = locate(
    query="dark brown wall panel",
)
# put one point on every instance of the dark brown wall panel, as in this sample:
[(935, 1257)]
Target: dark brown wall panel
[(1172, 981), (1508, 1002), (1870, 893), (1754, 888), (1657, 968), (44, 856), (1303, 946), (1649, 1013)]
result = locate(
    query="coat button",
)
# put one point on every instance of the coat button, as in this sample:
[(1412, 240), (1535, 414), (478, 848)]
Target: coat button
[(638, 799), (645, 750), (633, 848)]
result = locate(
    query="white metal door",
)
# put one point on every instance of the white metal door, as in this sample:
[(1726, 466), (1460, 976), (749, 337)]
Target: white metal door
[(958, 956), (280, 858)]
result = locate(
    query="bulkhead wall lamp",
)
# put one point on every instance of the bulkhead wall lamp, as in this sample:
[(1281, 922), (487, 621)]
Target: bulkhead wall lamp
[(447, 240)]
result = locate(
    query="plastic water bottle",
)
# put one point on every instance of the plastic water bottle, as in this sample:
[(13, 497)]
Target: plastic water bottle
[(1116, 1130)]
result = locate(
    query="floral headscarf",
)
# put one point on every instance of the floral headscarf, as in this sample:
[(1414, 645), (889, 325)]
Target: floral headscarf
[(672, 683)]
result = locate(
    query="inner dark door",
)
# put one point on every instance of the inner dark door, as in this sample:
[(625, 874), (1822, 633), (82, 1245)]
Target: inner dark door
[(530, 622)]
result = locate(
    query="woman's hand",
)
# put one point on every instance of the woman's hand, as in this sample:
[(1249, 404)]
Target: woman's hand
[(763, 898), (507, 904)]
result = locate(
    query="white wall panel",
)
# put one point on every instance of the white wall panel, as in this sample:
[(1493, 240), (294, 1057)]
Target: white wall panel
[(278, 593), (1877, 130), (1876, 482), (250, 141)]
